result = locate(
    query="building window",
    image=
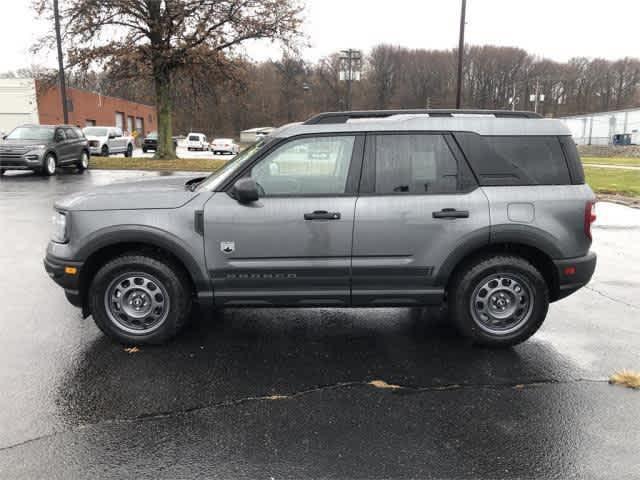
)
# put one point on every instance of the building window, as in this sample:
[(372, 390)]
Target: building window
[(140, 125), (130, 125), (89, 123)]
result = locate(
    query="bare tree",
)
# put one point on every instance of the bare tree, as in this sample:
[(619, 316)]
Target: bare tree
[(163, 38)]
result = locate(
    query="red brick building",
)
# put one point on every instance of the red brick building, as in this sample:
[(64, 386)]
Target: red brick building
[(89, 108)]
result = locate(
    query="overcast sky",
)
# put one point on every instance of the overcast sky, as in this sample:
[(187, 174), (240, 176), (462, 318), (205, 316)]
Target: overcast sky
[(557, 29)]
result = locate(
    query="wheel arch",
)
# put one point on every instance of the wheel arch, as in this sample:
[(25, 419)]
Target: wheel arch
[(534, 248), (113, 243)]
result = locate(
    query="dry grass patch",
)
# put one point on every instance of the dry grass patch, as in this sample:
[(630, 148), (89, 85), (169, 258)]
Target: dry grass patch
[(143, 163), (626, 378)]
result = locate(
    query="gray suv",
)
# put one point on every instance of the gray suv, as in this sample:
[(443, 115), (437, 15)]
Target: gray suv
[(44, 148), (484, 211)]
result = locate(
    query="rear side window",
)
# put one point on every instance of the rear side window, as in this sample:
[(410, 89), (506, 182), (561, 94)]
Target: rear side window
[(413, 164), (516, 160)]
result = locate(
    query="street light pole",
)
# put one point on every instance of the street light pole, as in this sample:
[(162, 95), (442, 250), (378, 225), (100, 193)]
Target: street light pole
[(63, 87), (460, 54), (350, 65)]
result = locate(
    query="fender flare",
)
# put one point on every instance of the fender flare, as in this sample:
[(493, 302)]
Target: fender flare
[(154, 237), (526, 235)]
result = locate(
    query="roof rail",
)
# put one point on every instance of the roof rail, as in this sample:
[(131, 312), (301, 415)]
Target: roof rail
[(343, 117)]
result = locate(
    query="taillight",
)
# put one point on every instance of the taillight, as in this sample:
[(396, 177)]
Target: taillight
[(589, 217)]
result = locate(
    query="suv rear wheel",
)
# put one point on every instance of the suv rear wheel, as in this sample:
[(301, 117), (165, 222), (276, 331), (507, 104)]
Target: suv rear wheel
[(83, 162), (129, 152), (498, 301), (139, 299)]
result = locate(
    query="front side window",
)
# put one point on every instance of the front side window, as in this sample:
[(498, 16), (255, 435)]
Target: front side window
[(71, 133), (414, 164), (306, 166)]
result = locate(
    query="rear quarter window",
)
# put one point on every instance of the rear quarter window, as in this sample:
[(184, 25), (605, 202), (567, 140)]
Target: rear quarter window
[(516, 160)]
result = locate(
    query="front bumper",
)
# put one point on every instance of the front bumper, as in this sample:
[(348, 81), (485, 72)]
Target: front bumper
[(57, 268), (20, 163), (574, 273)]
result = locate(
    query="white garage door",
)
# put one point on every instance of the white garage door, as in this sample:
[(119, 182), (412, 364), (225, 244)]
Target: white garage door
[(120, 120)]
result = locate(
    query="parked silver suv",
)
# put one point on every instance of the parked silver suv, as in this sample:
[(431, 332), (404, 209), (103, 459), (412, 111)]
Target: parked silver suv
[(486, 211)]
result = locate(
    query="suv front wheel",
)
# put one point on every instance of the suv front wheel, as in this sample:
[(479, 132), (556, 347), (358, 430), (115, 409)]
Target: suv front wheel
[(498, 301), (49, 165), (140, 299)]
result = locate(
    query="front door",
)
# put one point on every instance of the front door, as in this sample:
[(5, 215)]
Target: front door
[(292, 247), (64, 146), (418, 201)]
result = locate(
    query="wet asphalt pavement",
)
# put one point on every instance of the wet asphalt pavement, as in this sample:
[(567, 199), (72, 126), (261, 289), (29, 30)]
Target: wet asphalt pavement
[(286, 393)]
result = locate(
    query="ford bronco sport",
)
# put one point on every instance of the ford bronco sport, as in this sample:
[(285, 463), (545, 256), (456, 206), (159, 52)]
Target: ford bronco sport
[(486, 211)]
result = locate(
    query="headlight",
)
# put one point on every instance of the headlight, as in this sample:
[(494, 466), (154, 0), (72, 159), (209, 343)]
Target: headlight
[(59, 233)]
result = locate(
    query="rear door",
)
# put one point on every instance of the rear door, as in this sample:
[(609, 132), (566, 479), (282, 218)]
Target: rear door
[(418, 201), (293, 246)]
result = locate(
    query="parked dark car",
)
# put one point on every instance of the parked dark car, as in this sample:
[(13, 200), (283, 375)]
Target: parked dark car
[(44, 148), (151, 142)]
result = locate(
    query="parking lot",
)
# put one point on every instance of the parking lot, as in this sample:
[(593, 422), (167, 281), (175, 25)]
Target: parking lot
[(311, 394)]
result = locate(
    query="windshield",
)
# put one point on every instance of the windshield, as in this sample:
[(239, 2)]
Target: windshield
[(217, 177), (95, 131), (31, 133), (153, 135), (194, 138)]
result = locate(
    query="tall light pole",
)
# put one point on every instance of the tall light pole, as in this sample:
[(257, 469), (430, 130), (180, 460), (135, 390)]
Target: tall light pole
[(63, 86), (350, 65), (460, 54)]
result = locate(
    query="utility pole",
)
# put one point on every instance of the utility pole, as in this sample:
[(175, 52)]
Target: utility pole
[(461, 53), (350, 65), (535, 107), (63, 86)]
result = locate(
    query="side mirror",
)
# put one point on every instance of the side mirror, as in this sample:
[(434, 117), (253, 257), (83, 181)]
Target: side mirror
[(245, 190), (112, 136)]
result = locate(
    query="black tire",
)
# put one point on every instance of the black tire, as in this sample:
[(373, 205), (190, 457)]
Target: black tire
[(2, 170), (83, 162), (171, 281), (144, 150), (49, 165), (129, 152), (104, 151), (509, 271)]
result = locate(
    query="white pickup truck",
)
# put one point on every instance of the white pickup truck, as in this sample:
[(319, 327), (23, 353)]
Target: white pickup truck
[(105, 141)]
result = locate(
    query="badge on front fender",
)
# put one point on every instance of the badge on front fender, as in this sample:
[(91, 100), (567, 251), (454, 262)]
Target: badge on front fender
[(227, 247)]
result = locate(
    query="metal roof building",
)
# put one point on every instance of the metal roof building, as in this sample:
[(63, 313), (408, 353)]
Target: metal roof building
[(599, 128)]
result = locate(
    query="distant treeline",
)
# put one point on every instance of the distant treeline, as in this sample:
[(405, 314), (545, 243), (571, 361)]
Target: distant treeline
[(243, 94)]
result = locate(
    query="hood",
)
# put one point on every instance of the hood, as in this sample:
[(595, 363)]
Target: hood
[(155, 193), (21, 144)]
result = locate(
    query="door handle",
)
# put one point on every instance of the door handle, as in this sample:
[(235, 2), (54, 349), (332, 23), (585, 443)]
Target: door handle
[(451, 213), (322, 215)]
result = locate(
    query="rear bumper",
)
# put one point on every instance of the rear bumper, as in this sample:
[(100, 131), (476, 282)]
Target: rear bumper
[(56, 268), (574, 273)]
